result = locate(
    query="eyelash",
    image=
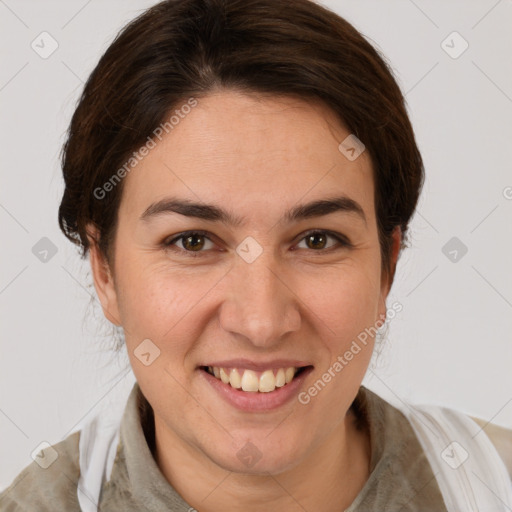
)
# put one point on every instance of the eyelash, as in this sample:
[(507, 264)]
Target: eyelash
[(343, 241)]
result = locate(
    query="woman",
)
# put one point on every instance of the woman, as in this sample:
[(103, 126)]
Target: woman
[(242, 176)]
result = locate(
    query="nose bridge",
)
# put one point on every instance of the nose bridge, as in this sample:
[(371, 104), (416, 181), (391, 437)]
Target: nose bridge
[(259, 306)]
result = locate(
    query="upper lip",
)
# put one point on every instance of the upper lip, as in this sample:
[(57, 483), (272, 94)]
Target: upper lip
[(257, 366)]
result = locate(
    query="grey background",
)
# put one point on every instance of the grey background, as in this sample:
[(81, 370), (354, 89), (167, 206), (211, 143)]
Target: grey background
[(450, 345)]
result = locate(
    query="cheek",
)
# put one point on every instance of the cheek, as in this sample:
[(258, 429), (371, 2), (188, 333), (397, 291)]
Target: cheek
[(346, 311), (158, 302), (344, 300), (147, 300), (155, 307)]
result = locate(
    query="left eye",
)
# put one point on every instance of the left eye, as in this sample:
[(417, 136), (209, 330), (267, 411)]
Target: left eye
[(192, 242), (321, 237)]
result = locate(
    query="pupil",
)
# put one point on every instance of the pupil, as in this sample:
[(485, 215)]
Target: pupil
[(311, 238)]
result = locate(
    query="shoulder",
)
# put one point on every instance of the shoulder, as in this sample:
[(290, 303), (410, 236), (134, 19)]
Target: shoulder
[(401, 477), (48, 485), (501, 438)]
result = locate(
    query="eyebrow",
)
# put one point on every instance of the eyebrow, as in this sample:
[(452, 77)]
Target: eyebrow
[(214, 213)]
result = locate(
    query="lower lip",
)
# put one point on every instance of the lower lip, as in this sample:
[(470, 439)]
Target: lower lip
[(254, 400)]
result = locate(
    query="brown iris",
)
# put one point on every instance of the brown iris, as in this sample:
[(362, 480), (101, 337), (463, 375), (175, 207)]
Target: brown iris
[(196, 242), (314, 238)]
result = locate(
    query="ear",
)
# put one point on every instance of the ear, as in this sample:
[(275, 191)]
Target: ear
[(103, 278), (387, 281)]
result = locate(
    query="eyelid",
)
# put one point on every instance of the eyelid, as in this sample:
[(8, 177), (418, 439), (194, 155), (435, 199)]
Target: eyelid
[(343, 241)]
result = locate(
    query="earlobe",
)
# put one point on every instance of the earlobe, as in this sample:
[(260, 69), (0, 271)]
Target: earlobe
[(103, 279)]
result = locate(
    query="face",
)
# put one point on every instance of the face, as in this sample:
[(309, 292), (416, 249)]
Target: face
[(263, 282)]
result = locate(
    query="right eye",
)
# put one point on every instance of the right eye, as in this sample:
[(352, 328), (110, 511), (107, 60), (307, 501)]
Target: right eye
[(191, 242)]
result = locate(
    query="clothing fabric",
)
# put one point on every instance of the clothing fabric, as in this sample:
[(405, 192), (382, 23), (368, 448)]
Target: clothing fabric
[(403, 469), (469, 471)]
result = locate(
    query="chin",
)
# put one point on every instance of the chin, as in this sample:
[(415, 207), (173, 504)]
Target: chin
[(258, 455)]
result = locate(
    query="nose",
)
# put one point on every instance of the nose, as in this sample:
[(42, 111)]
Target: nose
[(259, 302)]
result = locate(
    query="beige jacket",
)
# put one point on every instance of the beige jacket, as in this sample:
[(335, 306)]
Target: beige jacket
[(401, 477)]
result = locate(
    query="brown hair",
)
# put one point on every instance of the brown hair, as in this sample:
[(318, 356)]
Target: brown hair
[(188, 48)]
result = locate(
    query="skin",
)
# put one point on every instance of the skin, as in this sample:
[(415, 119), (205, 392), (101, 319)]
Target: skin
[(258, 157)]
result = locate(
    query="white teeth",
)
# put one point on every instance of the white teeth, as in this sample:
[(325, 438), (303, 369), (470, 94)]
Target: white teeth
[(249, 380), (280, 378), (234, 379), (290, 372), (224, 377), (267, 381)]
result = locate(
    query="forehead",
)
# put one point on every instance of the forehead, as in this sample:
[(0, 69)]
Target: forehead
[(252, 153)]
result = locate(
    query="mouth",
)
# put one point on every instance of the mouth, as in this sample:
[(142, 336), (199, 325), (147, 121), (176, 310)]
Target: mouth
[(256, 381)]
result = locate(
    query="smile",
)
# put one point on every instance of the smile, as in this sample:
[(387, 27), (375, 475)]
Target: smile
[(255, 381)]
